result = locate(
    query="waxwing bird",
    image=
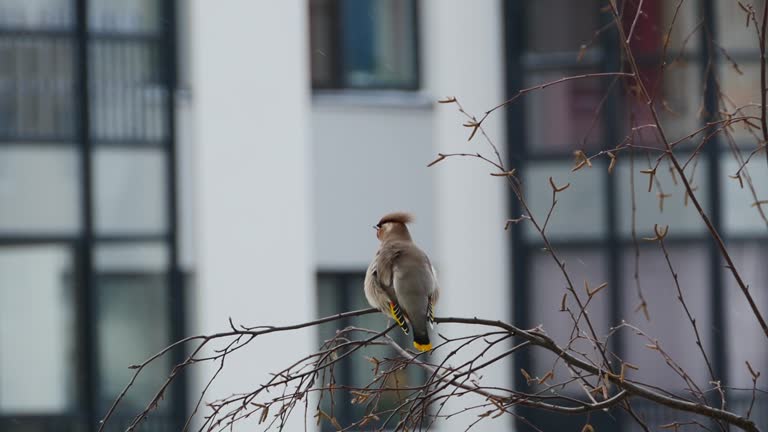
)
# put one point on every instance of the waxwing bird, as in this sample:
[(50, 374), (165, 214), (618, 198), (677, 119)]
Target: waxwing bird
[(401, 281)]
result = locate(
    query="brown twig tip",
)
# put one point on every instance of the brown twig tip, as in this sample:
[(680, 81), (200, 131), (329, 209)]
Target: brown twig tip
[(612, 164), (651, 174), (581, 160), (440, 157), (660, 232), (447, 100), (592, 292), (557, 189), (755, 375)]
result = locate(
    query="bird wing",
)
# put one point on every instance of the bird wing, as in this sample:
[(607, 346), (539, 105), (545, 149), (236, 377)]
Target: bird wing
[(379, 287)]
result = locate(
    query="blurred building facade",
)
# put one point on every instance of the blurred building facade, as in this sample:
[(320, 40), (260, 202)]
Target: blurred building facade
[(166, 166)]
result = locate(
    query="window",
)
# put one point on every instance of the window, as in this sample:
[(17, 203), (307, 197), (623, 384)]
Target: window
[(342, 292), (89, 272), (364, 44), (592, 225)]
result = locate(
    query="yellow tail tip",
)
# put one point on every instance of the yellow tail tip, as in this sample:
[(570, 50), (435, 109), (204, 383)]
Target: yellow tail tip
[(422, 347)]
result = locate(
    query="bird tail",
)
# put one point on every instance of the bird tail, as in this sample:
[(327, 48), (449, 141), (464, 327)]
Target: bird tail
[(421, 341)]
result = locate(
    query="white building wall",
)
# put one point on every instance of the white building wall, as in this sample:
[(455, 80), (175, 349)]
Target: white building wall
[(253, 245), (285, 185), (370, 157), (463, 57)]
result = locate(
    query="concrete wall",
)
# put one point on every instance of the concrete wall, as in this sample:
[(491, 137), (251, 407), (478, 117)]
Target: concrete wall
[(370, 157), (464, 58), (253, 202), (285, 184)]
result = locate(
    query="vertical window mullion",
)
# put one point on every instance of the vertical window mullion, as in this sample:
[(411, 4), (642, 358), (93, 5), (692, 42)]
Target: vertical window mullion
[(87, 330), (717, 307)]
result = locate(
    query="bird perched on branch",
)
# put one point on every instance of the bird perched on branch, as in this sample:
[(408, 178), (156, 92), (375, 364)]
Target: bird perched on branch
[(401, 281)]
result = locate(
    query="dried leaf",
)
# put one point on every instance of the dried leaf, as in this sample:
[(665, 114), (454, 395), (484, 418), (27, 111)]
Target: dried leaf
[(505, 173), (549, 375), (264, 414), (527, 377), (449, 99)]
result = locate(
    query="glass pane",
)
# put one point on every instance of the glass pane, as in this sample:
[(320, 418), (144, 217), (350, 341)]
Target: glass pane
[(127, 93), (133, 320), (342, 292), (673, 209), (378, 43), (679, 104), (652, 25), (731, 24), (124, 16), (740, 216), (561, 25), (547, 292), (36, 88), (743, 330), (322, 53), (685, 36), (37, 14), (572, 106), (39, 190), (130, 191), (741, 90), (580, 210), (37, 331), (668, 322)]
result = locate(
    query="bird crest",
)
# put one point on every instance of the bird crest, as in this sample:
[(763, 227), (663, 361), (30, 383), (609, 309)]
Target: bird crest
[(399, 217)]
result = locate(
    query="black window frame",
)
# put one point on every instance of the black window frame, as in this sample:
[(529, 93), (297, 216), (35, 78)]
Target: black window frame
[(336, 82), (613, 243), (88, 406)]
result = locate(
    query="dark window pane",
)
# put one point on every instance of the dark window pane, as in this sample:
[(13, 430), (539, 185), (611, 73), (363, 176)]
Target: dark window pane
[(127, 95), (668, 323), (743, 330), (36, 88), (378, 43), (678, 97), (580, 210), (560, 25), (129, 191), (371, 43), (39, 190), (673, 209), (37, 14), (547, 292), (132, 320), (733, 34), (740, 216), (323, 54), (38, 355), (741, 89), (344, 292), (125, 16), (564, 117)]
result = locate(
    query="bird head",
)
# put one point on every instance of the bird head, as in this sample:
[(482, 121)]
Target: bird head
[(392, 226)]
